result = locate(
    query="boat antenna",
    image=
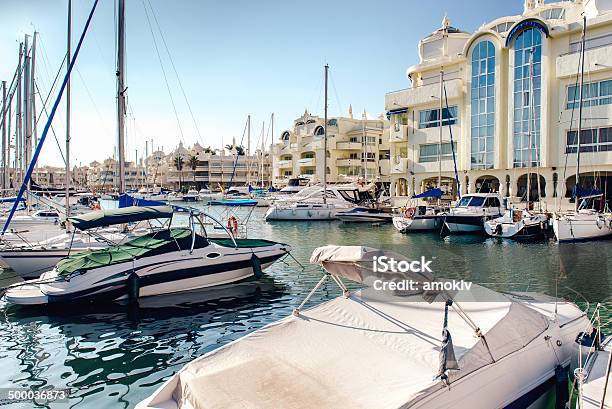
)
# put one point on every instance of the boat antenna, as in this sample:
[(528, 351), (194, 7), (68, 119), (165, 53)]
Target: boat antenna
[(325, 140)]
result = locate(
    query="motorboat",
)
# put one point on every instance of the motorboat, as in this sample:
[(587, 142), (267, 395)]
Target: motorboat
[(419, 218), (584, 224), (294, 185), (319, 203), (39, 217), (167, 260), (192, 195), (366, 349), (471, 212), (206, 195), (518, 224), (31, 259), (364, 215)]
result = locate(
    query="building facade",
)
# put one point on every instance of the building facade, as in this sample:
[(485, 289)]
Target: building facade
[(356, 149), (509, 102)]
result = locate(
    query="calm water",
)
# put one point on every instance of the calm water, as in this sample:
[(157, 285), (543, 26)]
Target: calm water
[(115, 356)]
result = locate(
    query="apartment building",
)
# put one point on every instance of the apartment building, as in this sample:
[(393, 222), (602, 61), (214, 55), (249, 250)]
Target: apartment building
[(357, 148), (509, 101)]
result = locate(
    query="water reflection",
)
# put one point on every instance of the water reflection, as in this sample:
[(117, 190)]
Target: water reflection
[(116, 355)]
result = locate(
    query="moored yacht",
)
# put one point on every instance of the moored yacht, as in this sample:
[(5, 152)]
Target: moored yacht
[(472, 211), (518, 224), (584, 224), (505, 350), (192, 195), (419, 218), (164, 261), (365, 215)]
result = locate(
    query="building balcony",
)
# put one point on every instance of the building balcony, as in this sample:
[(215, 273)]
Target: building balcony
[(399, 167), (307, 162), (355, 146), (596, 60), (348, 162), (398, 133), (424, 94), (285, 163)]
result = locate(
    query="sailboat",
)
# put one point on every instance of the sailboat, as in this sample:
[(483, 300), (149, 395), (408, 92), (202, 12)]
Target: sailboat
[(324, 207), (526, 223), (365, 349), (584, 223)]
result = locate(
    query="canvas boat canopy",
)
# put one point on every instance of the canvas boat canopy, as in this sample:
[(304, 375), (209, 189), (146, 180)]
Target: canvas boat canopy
[(436, 192), (130, 214), (358, 352)]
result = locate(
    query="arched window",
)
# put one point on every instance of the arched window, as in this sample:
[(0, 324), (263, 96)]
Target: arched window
[(319, 130), (483, 105), (527, 96), (285, 136)]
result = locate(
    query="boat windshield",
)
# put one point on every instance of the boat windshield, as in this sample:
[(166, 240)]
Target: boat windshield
[(471, 201)]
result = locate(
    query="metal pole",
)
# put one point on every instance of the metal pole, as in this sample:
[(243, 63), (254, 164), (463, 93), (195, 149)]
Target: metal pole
[(32, 94), (27, 139), (68, 59), (325, 140), (440, 130), (272, 139), (580, 108), (4, 140), (249, 150), (19, 124), (529, 128), (121, 106)]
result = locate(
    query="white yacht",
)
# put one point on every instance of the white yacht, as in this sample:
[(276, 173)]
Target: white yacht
[(518, 224), (419, 218), (192, 195), (366, 350), (472, 211), (317, 203), (584, 224), (165, 261), (45, 216), (294, 185)]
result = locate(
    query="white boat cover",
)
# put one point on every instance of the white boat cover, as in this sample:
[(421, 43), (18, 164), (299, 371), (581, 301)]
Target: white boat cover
[(353, 352)]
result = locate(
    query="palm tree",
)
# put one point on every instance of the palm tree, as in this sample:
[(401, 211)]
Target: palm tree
[(193, 164), (239, 149), (210, 150), (178, 164)]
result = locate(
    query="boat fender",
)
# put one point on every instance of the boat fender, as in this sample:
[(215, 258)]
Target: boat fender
[(561, 387), (256, 263), (498, 230), (133, 286)]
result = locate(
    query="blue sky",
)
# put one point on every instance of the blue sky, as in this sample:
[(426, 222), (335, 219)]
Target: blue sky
[(233, 58)]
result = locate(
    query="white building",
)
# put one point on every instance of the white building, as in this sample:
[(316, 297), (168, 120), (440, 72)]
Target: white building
[(510, 70), (356, 148)]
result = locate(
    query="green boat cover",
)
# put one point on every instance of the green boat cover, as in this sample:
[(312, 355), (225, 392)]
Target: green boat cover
[(144, 246), (242, 243), (130, 214)]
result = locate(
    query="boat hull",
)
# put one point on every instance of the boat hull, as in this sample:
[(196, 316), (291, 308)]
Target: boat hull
[(417, 223), (364, 217), (306, 213), (464, 224), (578, 227)]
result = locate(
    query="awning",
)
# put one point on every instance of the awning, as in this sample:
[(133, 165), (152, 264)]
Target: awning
[(110, 217), (437, 192), (396, 112), (126, 200)]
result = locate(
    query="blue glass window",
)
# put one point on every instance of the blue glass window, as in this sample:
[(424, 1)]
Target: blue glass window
[(483, 105), (527, 97)]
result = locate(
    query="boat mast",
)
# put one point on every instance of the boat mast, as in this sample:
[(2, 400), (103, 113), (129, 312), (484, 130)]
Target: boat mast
[(18, 125), (440, 129), (365, 148), (33, 93), (5, 145), (248, 158), (26, 109), (325, 140), (121, 92), (271, 142), (68, 57), (580, 108)]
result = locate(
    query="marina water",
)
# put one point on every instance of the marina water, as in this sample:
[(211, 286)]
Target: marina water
[(116, 355)]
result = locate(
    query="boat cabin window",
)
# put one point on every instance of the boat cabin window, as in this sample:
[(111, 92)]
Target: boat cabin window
[(471, 201), (349, 195)]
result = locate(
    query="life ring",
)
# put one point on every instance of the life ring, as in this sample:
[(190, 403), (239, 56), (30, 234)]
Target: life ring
[(409, 213)]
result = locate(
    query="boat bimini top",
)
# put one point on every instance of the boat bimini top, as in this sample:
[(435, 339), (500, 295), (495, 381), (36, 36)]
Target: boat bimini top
[(131, 214)]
